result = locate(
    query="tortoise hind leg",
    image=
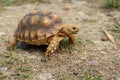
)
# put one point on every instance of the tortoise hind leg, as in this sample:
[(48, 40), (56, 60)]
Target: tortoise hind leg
[(12, 44)]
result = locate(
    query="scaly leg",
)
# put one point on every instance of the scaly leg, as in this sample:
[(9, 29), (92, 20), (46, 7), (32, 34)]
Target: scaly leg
[(52, 47), (54, 44), (72, 39), (12, 44)]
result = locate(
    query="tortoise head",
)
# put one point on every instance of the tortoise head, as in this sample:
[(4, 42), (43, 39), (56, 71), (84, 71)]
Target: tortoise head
[(70, 28)]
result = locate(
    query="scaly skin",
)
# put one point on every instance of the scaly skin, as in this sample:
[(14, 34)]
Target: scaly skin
[(54, 44), (12, 45), (72, 39)]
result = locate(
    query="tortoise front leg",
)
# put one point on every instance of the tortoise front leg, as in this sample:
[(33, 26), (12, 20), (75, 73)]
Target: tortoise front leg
[(72, 39), (54, 44), (12, 44)]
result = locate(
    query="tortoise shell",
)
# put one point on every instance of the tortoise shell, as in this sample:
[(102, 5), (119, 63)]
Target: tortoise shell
[(38, 25)]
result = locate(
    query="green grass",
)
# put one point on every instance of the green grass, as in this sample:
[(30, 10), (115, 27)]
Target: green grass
[(23, 72), (116, 28), (65, 46), (68, 47), (15, 63), (113, 3), (117, 36), (90, 20), (84, 75), (14, 2), (1, 79), (66, 43), (2, 9), (8, 58), (79, 40), (24, 68), (22, 76), (7, 41), (88, 75)]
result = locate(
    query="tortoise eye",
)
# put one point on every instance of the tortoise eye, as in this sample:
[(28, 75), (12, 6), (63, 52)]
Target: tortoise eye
[(73, 28)]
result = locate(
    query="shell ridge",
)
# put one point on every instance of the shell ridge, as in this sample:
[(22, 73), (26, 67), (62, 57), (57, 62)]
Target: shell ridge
[(28, 22), (38, 25)]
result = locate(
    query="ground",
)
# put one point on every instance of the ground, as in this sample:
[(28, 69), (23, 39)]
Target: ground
[(94, 55)]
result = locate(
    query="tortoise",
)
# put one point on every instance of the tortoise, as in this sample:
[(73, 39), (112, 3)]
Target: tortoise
[(43, 28)]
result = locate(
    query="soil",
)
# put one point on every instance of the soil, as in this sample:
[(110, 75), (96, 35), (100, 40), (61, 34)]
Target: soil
[(95, 53)]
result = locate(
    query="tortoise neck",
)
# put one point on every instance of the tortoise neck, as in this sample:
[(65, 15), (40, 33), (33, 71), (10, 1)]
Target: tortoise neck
[(63, 32)]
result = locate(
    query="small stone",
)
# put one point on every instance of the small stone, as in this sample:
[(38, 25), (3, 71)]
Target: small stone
[(75, 72), (114, 13), (99, 49), (0, 44), (76, 52), (103, 52), (3, 68), (80, 2), (67, 1), (45, 76), (66, 9), (43, 60), (117, 78), (77, 61), (83, 58), (118, 22), (93, 62), (32, 56), (2, 33), (96, 42), (104, 39)]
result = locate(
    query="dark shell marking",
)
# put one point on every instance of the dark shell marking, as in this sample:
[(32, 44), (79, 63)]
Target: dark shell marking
[(38, 25)]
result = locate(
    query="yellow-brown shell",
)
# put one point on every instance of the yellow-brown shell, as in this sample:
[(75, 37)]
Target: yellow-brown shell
[(38, 25)]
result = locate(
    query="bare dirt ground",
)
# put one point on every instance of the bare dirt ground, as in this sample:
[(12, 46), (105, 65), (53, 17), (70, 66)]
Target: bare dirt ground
[(91, 55)]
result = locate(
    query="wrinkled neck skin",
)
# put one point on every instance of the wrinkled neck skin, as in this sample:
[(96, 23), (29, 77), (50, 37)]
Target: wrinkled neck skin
[(63, 33)]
